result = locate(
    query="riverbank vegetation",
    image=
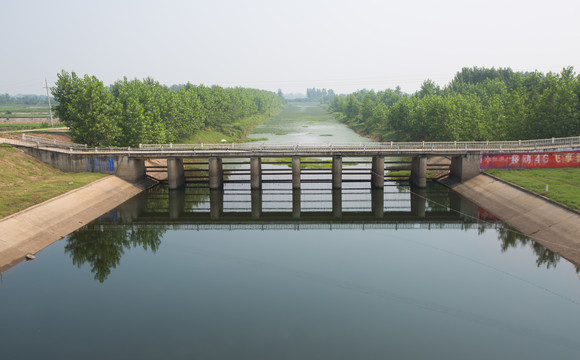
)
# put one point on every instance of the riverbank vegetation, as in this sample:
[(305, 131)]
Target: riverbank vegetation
[(235, 132), (478, 104), (131, 112), (27, 182), (563, 184)]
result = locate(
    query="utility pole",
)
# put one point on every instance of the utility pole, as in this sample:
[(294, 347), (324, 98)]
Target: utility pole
[(48, 97)]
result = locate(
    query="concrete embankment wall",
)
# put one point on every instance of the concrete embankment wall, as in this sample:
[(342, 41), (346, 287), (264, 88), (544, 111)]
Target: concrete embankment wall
[(33, 229), (550, 224), (74, 163), (127, 168)]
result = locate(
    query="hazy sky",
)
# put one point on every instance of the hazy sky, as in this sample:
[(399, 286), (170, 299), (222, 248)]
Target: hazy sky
[(292, 45)]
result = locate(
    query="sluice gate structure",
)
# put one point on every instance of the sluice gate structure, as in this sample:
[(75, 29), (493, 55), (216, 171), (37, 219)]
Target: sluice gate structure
[(129, 163)]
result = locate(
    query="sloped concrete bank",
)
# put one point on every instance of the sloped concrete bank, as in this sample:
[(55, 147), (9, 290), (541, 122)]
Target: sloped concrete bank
[(33, 229), (552, 225)]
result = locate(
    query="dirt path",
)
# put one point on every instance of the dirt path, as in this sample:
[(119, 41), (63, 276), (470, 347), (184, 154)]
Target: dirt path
[(33, 229), (550, 224)]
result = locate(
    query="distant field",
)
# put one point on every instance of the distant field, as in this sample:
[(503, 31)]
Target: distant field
[(24, 114), (563, 184), (22, 108), (12, 126)]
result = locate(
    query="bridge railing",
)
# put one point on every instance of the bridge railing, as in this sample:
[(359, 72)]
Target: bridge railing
[(41, 141), (374, 146), (409, 147)]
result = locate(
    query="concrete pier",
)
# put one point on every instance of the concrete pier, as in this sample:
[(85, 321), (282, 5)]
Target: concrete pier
[(464, 167), (255, 173), (216, 177), (418, 202), (296, 203), (176, 202), (337, 172), (175, 173), (419, 171), (337, 203), (378, 202), (256, 196), (378, 172), (216, 203), (295, 172), (131, 169)]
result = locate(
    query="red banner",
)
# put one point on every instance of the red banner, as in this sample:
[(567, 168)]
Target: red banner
[(532, 160)]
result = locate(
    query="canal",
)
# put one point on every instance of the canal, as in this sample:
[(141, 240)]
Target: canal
[(282, 274)]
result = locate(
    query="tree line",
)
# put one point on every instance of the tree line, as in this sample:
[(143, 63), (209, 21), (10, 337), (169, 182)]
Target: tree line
[(133, 112), (28, 100), (314, 94), (478, 104)]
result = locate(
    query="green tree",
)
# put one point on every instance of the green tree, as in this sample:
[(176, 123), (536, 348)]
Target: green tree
[(87, 108)]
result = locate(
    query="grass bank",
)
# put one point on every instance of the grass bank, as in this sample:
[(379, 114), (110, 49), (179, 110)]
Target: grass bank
[(27, 182), (25, 126), (235, 132), (563, 184)]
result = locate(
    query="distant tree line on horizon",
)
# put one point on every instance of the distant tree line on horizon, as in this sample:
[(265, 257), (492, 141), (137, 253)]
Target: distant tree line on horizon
[(133, 112), (28, 100), (478, 104), (315, 94)]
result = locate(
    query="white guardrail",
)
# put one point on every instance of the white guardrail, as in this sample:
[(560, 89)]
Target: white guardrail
[(454, 146), (45, 142)]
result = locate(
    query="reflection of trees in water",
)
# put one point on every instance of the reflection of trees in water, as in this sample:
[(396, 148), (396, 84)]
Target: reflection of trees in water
[(103, 249), (512, 238)]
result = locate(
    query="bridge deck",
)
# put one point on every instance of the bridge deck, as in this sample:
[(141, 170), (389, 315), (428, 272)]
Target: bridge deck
[(233, 150)]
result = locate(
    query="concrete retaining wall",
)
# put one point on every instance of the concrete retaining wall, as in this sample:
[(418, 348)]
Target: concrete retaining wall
[(129, 169)]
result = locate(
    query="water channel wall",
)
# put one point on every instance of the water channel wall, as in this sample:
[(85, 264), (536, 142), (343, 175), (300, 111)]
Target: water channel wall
[(552, 225), (125, 167), (36, 227)]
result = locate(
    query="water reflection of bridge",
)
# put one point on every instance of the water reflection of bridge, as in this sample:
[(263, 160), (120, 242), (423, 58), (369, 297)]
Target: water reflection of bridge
[(144, 220), (394, 207)]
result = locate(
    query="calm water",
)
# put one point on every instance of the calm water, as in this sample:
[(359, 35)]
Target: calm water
[(280, 274)]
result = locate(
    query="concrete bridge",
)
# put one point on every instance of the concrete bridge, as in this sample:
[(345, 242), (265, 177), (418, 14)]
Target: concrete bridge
[(129, 163)]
